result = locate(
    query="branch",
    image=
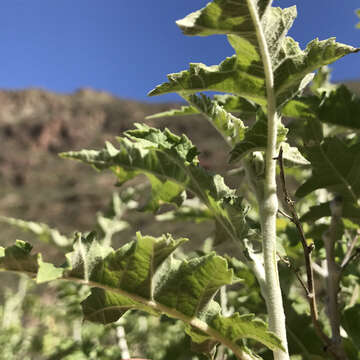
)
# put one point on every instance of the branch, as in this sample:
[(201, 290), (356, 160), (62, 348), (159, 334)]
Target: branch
[(307, 249), (296, 272)]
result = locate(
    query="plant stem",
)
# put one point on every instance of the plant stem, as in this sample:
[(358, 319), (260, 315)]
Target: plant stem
[(269, 207)]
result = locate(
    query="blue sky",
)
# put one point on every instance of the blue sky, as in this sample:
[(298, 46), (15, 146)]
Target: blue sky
[(128, 47)]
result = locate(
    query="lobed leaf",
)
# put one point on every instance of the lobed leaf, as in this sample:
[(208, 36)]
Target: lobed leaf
[(170, 162), (243, 73), (229, 126), (143, 275), (293, 74)]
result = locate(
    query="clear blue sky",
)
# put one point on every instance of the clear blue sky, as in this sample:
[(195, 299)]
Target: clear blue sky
[(128, 47)]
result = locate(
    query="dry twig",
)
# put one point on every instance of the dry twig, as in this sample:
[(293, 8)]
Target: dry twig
[(307, 249)]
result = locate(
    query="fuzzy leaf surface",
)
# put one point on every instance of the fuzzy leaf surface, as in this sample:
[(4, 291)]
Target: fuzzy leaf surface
[(229, 126), (170, 162), (143, 275), (243, 73)]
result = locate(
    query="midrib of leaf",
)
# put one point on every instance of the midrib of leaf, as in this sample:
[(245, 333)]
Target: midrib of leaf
[(270, 203), (338, 174)]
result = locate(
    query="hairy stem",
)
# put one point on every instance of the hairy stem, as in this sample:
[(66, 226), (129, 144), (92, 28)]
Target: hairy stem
[(269, 207)]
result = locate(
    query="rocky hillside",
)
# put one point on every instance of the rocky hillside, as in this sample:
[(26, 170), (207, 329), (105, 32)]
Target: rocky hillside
[(35, 125)]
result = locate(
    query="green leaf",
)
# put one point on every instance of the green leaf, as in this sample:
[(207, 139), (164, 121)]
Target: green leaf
[(171, 164), (293, 155), (302, 107), (87, 251), (229, 126), (143, 275), (47, 271), (239, 326), (358, 14), (297, 64), (221, 17), (243, 73), (335, 166), (351, 323), (132, 269)]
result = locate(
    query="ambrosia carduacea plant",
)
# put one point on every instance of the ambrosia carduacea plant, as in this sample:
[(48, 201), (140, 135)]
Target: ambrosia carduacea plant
[(304, 309)]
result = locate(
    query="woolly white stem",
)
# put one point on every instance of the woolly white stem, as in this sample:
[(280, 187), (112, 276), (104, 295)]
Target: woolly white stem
[(269, 207)]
